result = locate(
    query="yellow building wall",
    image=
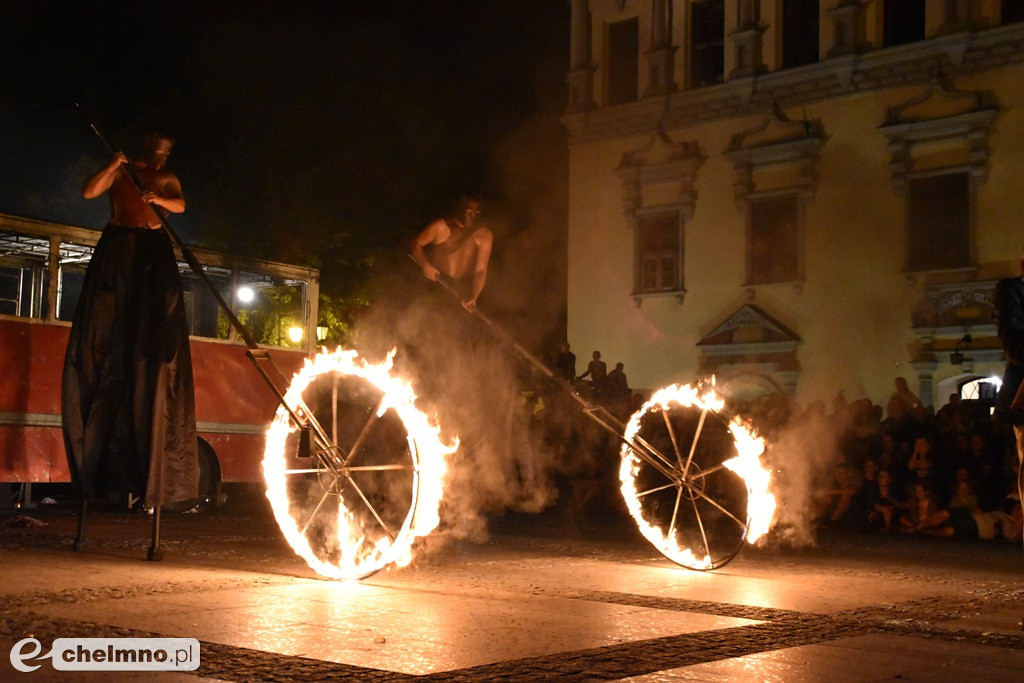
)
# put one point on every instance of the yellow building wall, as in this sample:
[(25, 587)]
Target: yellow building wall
[(852, 311)]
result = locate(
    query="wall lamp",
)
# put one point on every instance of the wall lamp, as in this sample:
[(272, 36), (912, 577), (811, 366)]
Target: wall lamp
[(957, 357)]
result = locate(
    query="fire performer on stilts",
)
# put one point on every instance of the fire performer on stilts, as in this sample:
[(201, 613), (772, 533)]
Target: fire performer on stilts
[(1008, 307), (128, 400), (460, 248)]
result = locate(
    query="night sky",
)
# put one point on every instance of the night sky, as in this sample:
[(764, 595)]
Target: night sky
[(319, 132)]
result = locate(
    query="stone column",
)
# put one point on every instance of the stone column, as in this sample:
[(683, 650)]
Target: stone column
[(661, 58), (925, 389), (581, 70), (956, 16), (848, 28), (746, 41)]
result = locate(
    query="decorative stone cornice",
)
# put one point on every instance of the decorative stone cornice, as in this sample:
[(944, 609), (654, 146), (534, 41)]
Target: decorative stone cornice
[(868, 71)]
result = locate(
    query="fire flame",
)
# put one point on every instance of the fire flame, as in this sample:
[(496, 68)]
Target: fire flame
[(747, 464), (360, 555)]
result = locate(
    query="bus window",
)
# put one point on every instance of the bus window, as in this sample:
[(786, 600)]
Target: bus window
[(74, 259), (201, 307), (272, 309), (23, 275)]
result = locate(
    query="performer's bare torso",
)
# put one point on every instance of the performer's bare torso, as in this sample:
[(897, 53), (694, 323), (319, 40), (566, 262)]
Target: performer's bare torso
[(458, 248), (455, 256), (126, 205)]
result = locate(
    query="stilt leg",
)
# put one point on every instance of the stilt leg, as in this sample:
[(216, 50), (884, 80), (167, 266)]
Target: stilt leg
[(155, 554), (80, 536)]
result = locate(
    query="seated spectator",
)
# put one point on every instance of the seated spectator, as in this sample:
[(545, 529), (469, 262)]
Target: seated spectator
[(952, 418), (881, 503), (837, 503), (924, 515), (921, 463)]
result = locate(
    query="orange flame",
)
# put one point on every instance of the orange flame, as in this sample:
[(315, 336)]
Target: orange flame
[(360, 555), (747, 464)]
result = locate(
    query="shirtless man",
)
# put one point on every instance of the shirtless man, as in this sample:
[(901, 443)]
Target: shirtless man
[(128, 208), (460, 248)]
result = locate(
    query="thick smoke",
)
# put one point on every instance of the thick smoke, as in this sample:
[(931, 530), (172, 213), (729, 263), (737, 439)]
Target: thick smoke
[(802, 456), (471, 382), (480, 388)]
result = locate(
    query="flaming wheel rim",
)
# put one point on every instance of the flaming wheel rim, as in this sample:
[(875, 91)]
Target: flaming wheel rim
[(373, 482), (680, 480)]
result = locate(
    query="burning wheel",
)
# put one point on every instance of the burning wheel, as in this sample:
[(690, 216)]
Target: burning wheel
[(372, 481), (679, 473)]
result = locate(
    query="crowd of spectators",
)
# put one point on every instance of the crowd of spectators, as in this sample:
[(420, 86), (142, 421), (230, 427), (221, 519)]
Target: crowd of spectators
[(905, 468)]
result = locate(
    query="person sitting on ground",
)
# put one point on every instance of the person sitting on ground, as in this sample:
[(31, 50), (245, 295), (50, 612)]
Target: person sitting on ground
[(459, 248), (924, 515), (837, 505), (882, 503), (921, 463)]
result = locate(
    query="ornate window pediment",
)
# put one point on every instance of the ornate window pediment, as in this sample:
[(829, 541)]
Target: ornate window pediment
[(776, 141), (939, 117), (660, 173)]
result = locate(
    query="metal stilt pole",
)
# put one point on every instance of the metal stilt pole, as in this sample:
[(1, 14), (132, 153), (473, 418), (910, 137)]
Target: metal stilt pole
[(155, 554), (80, 536)]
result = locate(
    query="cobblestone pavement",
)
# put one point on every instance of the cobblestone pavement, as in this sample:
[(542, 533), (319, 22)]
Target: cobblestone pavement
[(923, 609)]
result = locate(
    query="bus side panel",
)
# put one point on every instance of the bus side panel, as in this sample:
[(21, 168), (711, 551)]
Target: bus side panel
[(231, 393), (33, 454), (240, 455), (31, 364)]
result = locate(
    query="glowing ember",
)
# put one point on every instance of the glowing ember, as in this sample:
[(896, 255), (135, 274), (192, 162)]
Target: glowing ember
[(760, 506), (352, 549)]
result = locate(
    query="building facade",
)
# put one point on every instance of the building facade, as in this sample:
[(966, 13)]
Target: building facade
[(795, 196)]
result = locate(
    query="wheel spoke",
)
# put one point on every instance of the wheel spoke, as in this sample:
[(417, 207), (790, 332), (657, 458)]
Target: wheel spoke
[(711, 470), (696, 438), (675, 513), (672, 435), (655, 490), (372, 510), (703, 533), (378, 468), (365, 432), (652, 457), (724, 511), (315, 510)]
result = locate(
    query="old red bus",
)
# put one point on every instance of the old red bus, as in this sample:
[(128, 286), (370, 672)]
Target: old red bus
[(41, 269)]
